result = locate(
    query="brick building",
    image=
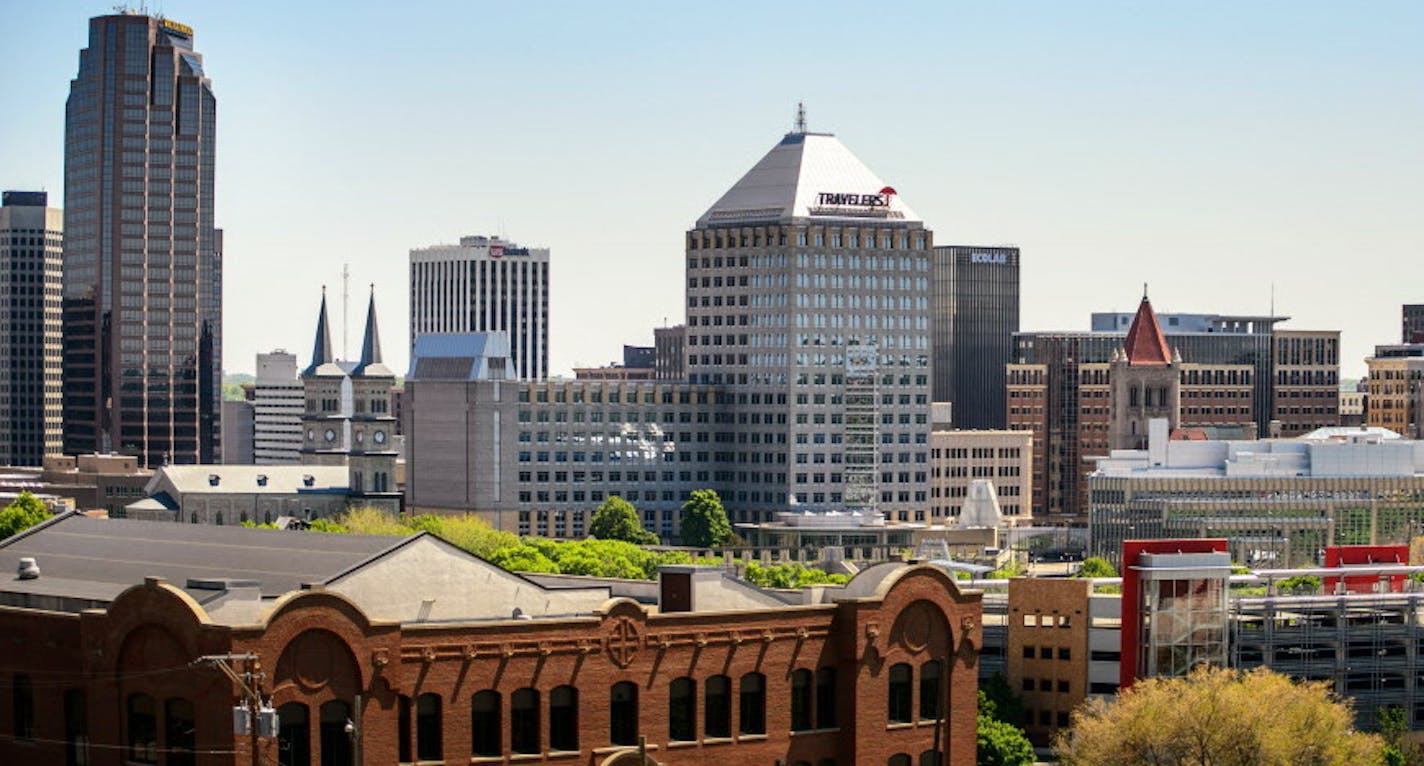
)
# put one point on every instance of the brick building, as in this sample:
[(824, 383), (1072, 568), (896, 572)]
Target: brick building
[(403, 650)]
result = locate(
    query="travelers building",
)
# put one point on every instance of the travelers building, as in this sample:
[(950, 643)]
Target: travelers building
[(31, 238), (807, 371), (143, 657), (142, 294)]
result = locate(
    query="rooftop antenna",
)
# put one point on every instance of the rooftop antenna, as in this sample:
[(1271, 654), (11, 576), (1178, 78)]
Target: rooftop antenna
[(1273, 300), (800, 117), (345, 305)]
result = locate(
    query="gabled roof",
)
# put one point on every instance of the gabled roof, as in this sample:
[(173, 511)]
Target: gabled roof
[(1145, 344), (253, 479), (98, 559), (808, 177), (456, 356)]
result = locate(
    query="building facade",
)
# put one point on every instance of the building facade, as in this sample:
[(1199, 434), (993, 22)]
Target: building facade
[(958, 458), (142, 288), (670, 352), (277, 404), (485, 284), (1412, 330), (1395, 396), (1231, 379), (707, 670), (31, 247), (975, 314), (237, 431)]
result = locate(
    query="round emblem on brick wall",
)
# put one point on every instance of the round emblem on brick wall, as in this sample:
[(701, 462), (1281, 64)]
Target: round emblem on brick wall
[(916, 626), (624, 641)]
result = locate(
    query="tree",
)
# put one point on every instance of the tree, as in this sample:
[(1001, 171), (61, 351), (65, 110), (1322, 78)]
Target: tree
[(25, 512), (1096, 566), (1002, 744), (1222, 717), (617, 519), (998, 701), (704, 520)]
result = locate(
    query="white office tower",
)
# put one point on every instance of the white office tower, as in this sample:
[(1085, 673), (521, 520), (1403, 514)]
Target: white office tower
[(277, 410), (485, 284)]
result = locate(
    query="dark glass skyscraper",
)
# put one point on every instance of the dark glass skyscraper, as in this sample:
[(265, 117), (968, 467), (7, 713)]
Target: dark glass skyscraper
[(142, 297), (975, 314)]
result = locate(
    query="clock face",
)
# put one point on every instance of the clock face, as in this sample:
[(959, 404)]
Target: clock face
[(380, 437), (330, 435)]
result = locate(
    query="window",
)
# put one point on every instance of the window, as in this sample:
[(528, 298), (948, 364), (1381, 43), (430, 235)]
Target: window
[(427, 728), (623, 714), (22, 696), (801, 696), (178, 733), (826, 698), (143, 729), (403, 744), (524, 721), (717, 707), (682, 710), (336, 744), (753, 704), (485, 724), (76, 728), (900, 694), (931, 758), (931, 690), (899, 759), (293, 738), (563, 718)]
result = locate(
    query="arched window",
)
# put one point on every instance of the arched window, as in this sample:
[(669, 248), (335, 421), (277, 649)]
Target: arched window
[(682, 710), (931, 758), (143, 729), (193, 517), (293, 738), (931, 690), (717, 707), (485, 724), (826, 698), (623, 714), (267, 517), (243, 519), (753, 704), (218, 520), (900, 701), (899, 759), (178, 735), (524, 721), (801, 696), (563, 719), (336, 745), (427, 728)]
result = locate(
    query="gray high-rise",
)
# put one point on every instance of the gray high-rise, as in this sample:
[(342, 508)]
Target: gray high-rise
[(142, 295), (31, 235), (807, 301), (975, 314)]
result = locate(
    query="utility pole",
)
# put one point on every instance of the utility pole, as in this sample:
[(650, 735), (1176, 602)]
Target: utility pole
[(259, 720)]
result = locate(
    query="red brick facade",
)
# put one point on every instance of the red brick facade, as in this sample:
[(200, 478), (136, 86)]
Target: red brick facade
[(576, 683)]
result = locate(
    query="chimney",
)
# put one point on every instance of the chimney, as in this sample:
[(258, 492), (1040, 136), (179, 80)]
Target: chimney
[(29, 569)]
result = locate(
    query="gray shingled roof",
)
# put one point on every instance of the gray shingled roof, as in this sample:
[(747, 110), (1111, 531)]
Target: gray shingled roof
[(97, 559)]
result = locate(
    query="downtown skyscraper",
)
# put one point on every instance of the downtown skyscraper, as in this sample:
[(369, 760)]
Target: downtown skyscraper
[(31, 237), (142, 295)]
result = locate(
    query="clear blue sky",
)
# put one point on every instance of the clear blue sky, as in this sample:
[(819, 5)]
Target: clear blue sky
[(1208, 149)]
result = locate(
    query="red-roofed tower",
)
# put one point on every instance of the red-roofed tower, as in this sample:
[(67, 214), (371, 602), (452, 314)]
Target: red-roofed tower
[(1146, 381)]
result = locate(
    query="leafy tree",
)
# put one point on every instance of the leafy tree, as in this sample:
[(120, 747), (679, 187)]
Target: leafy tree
[(1300, 585), (327, 525), (1014, 568), (1399, 749), (471, 533), (617, 519), (789, 576), (1221, 717), (704, 520), (523, 558), (1002, 744), (25, 512), (998, 701), (1096, 566)]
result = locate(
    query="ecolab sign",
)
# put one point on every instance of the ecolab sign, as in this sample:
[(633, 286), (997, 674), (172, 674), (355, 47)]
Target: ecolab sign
[(988, 258)]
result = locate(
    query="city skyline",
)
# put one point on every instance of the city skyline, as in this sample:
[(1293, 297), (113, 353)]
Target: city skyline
[(1003, 126)]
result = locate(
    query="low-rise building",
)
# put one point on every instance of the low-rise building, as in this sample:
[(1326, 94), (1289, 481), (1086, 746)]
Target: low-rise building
[(958, 458), (235, 494), (84, 482), (122, 645)]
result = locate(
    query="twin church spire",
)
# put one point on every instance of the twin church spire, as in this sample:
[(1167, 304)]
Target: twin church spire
[(323, 354)]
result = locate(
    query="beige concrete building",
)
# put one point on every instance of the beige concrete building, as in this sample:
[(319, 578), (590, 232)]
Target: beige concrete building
[(957, 458), (87, 482), (1306, 392), (232, 494), (1396, 390)]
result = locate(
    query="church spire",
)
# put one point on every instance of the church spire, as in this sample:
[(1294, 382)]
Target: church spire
[(1145, 344), (321, 349), (370, 364)]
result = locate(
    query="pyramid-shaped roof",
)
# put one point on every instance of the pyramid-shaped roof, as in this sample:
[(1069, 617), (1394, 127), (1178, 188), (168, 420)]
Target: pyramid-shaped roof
[(1145, 344), (809, 177), (370, 365), (322, 364)]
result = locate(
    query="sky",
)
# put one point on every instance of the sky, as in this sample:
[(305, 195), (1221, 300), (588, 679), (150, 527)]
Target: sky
[(1220, 152)]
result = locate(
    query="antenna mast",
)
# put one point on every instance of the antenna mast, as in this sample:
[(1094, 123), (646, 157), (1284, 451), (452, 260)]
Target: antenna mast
[(345, 306), (800, 117)]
